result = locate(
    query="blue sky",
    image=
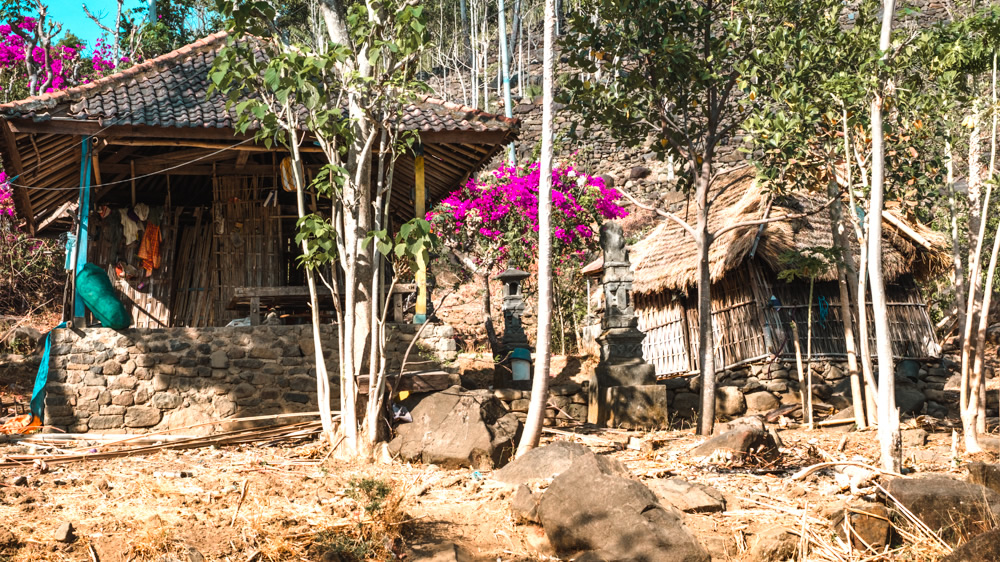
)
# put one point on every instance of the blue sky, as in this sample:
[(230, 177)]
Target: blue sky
[(71, 15)]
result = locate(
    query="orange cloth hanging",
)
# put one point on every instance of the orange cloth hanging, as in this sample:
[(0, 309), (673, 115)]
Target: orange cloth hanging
[(26, 423), (149, 249)]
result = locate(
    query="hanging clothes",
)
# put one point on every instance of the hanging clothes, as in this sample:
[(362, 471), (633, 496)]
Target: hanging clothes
[(130, 228), (149, 250)]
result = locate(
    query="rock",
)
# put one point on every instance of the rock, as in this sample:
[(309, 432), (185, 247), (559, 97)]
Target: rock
[(524, 505), (687, 496), (869, 525), (141, 416), (909, 400), (686, 405), (993, 333), (65, 532), (729, 402), (438, 552), (953, 508), (638, 172), (822, 391), (761, 402), (549, 461), (458, 428), (748, 440), (617, 517), (776, 544), (193, 555), (984, 548), (985, 475), (916, 437)]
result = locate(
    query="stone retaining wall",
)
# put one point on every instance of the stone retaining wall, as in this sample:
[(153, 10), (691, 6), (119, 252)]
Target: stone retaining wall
[(142, 380), (567, 403)]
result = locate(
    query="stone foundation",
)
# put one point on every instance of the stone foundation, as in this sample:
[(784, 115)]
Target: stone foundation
[(567, 403), (135, 381), (927, 387)]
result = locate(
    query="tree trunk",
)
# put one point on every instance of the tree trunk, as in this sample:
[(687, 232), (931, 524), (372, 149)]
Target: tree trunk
[(508, 109), (871, 387), (809, 352), (958, 274), (888, 427), (376, 371), (322, 376), (973, 416), (840, 242), (491, 330), (706, 336), (798, 367), (973, 309), (540, 384)]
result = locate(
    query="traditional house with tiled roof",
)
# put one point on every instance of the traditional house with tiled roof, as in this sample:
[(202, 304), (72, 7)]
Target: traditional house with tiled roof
[(150, 140), (196, 231)]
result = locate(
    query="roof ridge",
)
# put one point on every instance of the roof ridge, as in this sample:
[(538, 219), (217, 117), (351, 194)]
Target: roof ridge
[(454, 106), (117, 77)]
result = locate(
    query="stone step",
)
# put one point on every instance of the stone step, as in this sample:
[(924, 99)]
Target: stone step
[(418, 381)]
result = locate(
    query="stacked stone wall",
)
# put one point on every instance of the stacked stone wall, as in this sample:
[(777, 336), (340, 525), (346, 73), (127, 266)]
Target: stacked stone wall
[(135, 381)]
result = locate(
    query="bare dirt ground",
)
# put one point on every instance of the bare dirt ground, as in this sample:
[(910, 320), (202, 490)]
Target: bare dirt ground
[(292, 501)]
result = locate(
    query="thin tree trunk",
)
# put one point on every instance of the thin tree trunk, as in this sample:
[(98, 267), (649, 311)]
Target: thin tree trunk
[(706, 335), (488, 325), (840, 242), (540, 385), (871, 387), (322, 376), (975, 408), (508, 108), (976, 225), (809, 347), (888, 428), (973, 308), (376, 380), (845, 276), (958, 274), (798, 367)]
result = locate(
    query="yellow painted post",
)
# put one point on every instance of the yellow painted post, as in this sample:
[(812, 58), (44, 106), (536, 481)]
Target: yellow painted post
[(419, 205)]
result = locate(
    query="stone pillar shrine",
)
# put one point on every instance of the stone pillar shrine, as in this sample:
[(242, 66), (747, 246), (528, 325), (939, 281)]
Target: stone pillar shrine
[(514, 368), (623, 390)]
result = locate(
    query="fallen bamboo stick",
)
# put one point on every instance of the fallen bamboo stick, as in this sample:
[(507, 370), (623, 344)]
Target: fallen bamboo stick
[(844, 421), (810, 469), (295, 430)]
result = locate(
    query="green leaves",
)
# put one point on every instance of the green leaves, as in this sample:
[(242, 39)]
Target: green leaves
[(413, 243)]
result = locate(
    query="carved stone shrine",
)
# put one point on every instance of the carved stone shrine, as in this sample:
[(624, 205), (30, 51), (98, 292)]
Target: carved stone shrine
[(623, 390)]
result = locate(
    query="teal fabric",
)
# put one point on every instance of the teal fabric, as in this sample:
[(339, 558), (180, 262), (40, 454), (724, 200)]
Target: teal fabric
[(96, 291), (38, 394)]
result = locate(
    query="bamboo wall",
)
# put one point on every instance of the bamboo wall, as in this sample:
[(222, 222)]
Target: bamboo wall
[(747, 327), (206, 252)]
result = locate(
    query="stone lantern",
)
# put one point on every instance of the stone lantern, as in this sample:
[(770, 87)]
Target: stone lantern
[(514, 368)]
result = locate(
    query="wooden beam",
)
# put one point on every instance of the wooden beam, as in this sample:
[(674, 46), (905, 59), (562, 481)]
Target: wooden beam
[(54, 215), (21, 197), (420, 208), (465, 137), (141, 169), (248, 147)]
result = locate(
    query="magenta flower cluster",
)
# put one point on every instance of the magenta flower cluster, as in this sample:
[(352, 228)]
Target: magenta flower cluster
[(6, 197), (61, 59), (498, 218)]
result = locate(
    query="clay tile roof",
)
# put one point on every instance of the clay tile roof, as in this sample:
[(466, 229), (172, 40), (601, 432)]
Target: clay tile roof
[(170, 91)]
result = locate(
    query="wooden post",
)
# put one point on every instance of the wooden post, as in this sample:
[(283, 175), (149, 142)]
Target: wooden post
[(419, 206)]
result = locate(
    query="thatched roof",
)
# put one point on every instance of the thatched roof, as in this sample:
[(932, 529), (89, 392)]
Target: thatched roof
[(667, 259)]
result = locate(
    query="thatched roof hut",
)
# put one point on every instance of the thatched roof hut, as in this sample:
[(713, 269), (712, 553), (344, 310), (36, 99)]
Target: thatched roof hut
[(745, 263)]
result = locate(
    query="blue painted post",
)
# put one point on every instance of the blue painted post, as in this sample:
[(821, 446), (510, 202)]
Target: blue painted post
[(84, 211)]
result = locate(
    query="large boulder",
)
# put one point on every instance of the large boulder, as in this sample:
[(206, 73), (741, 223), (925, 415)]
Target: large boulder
[(549, 461), (586, 508), (458, 428), (985, 475), (984, 548), (955, 509)]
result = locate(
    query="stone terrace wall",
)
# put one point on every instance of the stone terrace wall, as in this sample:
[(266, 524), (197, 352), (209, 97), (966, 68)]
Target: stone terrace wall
[(136, 381)]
